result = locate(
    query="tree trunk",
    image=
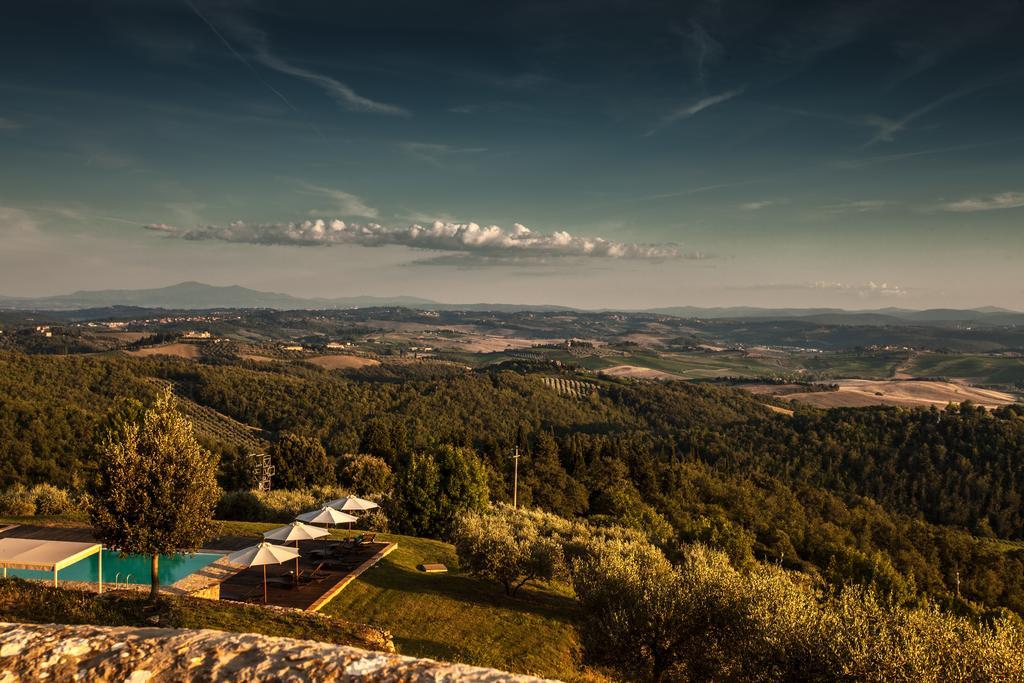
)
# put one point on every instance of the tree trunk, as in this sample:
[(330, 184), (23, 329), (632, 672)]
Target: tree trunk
[(154, 577)]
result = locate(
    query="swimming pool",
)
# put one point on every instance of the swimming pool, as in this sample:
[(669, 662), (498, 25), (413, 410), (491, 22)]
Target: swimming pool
[(130, 568)]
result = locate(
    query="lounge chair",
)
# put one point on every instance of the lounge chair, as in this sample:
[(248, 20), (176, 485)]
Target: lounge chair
[(367, 539)]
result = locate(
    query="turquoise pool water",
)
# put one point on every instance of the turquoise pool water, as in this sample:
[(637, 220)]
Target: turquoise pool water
[(133, 567)]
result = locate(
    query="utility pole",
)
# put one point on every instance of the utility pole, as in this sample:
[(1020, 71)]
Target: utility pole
[(515, 480)]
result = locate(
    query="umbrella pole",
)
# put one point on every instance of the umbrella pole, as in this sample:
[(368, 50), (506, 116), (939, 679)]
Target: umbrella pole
[(296, 562), (264, 584)]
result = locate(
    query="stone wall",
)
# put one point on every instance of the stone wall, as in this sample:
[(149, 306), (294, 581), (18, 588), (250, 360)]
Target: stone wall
[(30, 652)]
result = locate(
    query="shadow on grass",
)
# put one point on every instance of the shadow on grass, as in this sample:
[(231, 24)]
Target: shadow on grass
[(388, 575)]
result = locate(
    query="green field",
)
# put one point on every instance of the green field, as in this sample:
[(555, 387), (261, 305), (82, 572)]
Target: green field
[(978, 369)]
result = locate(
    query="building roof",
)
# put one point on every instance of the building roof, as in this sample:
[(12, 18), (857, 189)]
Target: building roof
[(34, 553)]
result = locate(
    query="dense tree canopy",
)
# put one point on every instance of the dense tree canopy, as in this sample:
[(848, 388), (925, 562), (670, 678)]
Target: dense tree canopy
[(905, 499)]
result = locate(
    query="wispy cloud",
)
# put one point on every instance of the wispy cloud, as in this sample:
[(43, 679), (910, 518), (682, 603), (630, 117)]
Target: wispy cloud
[(344, 203), (704, 49), (100, 155), (9, 124), (259, 46), (1003, 200), (467, 238), (858, 206), (436, 154), (868, 289), (695, 108), (762, 204), (231, 48), (886, 158), (880, 289), (701, 189), (887, 128)]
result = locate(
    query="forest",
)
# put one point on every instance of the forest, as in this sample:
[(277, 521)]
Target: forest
[(914, 502)]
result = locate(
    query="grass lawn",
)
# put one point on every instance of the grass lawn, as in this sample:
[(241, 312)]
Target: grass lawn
[(455, 617)]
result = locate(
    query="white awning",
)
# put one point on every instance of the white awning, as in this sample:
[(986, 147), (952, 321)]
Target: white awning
[(34, 553)]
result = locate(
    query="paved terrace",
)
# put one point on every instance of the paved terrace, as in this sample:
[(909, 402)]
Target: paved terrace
[(332, 575)]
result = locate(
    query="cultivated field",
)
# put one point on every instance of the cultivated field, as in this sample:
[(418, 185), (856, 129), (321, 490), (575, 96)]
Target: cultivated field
[(637, 372), (342, 362), (181, 350), (864, 392)]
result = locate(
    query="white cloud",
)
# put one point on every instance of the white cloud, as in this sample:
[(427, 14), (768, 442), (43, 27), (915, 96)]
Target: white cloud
[(466, 238), (1003, 200), (345, 203)]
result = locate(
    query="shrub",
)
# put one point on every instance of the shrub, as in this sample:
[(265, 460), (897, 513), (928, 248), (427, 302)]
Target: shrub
[(17, 502), (278, 505), (240, 506), (705, 620), (365, 474), (283, 505), (374, 520), (51, 500)]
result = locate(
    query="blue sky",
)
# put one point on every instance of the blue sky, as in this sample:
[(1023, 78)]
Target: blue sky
[(860, 155)]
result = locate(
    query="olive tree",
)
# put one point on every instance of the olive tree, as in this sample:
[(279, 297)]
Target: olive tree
[(507, 546), (156, 487)]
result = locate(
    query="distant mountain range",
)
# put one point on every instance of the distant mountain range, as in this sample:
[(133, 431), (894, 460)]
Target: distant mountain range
[(199, 296)]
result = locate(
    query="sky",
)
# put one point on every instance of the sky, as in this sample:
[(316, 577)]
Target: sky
[(596, 154)]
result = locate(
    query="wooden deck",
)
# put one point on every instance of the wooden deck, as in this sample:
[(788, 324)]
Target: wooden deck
[(247, 585)]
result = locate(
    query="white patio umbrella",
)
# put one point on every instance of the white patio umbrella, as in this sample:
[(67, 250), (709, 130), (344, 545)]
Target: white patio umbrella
[(262, 554), (296, 531), (352, 504), (325, 515)]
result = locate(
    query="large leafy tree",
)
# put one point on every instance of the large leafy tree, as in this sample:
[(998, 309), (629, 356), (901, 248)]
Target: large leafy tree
[(156, 487), (434, 489), (300, 462)]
